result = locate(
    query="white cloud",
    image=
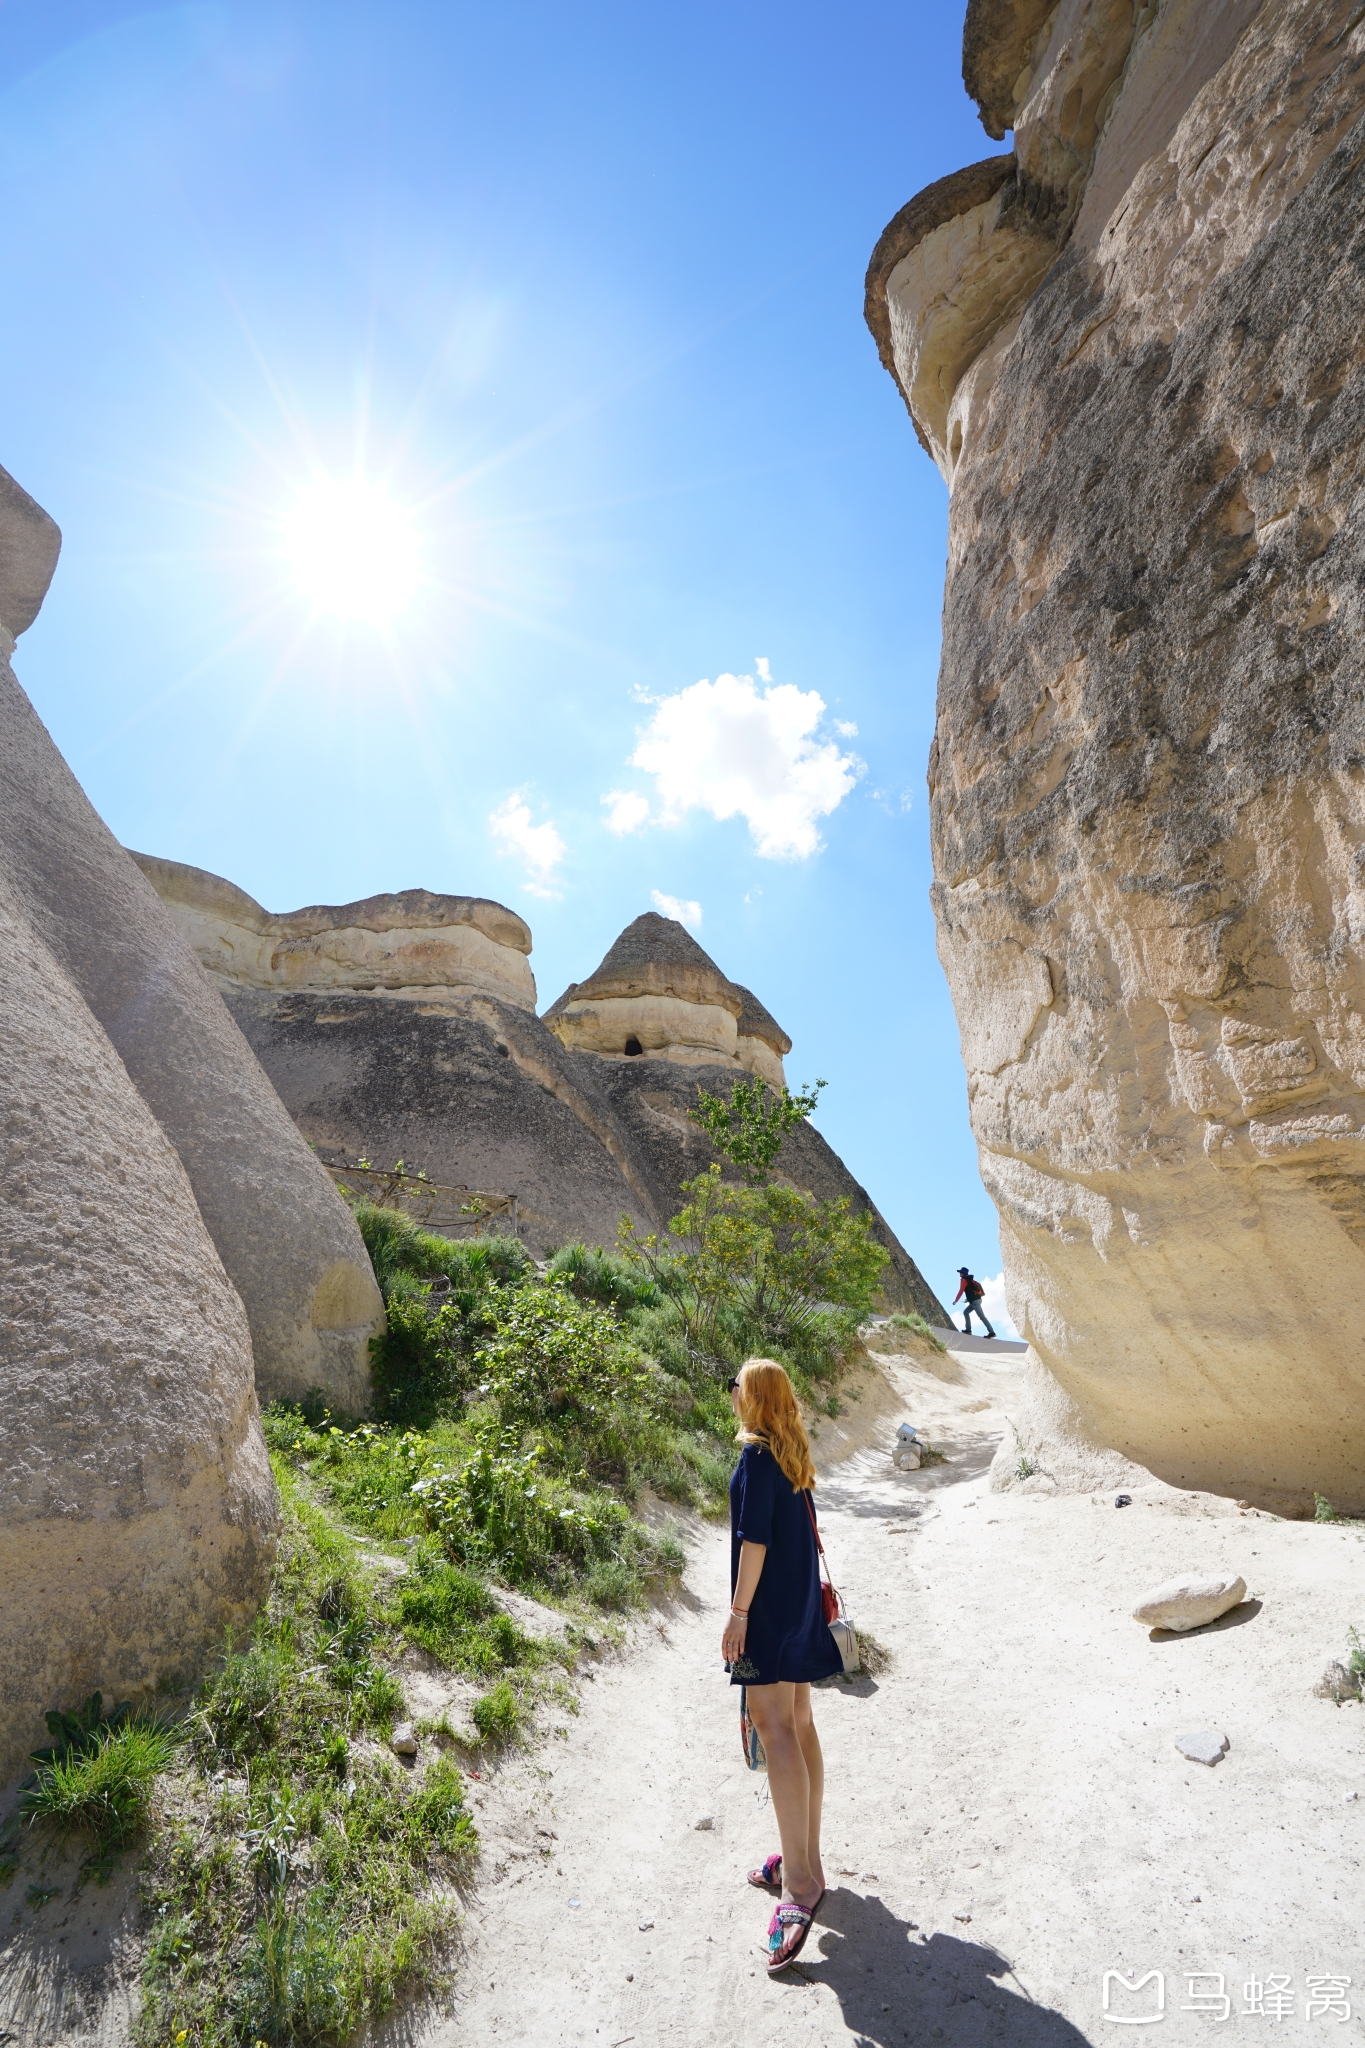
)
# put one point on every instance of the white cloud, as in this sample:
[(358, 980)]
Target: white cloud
[(997, 1315), (846, 728), (674, 906), (539, 848), (732, 749), (627, 810)]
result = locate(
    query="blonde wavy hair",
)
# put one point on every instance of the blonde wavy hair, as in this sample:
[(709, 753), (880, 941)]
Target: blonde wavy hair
[(769, 1415)]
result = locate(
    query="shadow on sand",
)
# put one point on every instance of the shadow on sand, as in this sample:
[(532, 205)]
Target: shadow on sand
[(897, 1986)]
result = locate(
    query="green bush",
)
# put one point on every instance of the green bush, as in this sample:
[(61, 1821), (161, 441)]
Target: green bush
[(497, 1509), (420, 1362), (555, 1361), (103, 1789)]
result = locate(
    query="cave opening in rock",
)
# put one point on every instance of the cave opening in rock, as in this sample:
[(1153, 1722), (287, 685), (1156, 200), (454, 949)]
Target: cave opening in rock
[(633, 1048)]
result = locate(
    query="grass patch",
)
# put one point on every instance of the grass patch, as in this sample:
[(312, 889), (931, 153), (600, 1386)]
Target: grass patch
[(916, 1326), (301, 1881), (100, 1791), (453, 1616), (499, 1714)]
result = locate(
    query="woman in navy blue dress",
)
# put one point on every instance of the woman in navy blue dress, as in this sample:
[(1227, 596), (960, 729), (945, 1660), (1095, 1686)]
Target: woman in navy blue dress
[(776, 1639)]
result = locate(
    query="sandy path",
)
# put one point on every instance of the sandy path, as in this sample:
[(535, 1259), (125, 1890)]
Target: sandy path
[(1014, 1764)]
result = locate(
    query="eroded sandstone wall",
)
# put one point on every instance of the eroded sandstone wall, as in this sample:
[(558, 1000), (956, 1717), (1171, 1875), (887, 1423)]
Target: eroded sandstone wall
[(137, 1509), (1148, 776)]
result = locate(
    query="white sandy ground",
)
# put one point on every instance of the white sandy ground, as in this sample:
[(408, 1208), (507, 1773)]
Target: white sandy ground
[(1007, 1819), (1015, 1763)]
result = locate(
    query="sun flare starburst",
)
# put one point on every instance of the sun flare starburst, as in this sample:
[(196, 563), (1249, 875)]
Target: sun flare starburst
[(352, 550)]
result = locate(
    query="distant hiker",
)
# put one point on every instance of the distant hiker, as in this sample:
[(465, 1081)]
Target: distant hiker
[(776, 1639), (975, 1294)]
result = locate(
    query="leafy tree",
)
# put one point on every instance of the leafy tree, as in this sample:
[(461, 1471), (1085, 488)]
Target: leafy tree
[(772, 1258), (748, 1129)]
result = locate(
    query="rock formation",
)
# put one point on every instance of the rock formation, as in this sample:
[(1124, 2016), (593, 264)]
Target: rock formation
[(389, 1034), (1133, 347), (657, 992), (288, 1242), (138, 1513), (414, 945)]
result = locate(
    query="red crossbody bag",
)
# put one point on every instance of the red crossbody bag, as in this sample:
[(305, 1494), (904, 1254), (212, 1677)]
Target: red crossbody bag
[(830, 1603)]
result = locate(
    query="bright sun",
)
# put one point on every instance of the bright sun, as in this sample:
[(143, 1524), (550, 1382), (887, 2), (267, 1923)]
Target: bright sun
[(352, 551)]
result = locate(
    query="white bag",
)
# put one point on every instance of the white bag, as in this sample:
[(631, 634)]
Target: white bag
[(846, 1636), (840, 1627)]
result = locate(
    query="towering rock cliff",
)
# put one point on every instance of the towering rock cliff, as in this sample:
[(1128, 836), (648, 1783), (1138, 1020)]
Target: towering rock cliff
[(404, 1027), (1133, 348), (137, 1510)]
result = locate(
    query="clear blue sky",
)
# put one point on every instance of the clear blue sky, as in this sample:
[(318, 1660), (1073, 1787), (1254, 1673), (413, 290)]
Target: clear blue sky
[(578, 291)]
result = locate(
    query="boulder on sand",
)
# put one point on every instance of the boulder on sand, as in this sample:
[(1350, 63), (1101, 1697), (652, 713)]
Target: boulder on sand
[(1189, 1602)]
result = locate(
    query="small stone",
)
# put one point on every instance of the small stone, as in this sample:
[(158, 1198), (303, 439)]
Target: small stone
[(645, 1926), (705, 1824), (575, 1902), (630, 1976), (965, 1918), (403, 1741), (1350, 1796), (1123, 1500), (1338, 1682), (1190, 1601), (1202, 1745)]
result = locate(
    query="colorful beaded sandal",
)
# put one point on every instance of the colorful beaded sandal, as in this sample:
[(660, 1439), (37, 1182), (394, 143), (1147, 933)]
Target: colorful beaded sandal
[(787, 1931), (769, 1878)]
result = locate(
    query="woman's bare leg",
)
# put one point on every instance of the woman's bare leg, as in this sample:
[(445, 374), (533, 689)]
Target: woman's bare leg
[(774, 1711), (815, 1774)]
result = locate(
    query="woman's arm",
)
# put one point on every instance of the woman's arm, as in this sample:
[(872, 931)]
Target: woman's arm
[(751, 1556)]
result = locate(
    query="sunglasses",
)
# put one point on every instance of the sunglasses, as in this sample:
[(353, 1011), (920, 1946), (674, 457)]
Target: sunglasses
[(731, 1386)]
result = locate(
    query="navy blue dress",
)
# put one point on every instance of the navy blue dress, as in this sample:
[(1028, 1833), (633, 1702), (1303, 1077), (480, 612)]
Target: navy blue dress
[(788, 1637)]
